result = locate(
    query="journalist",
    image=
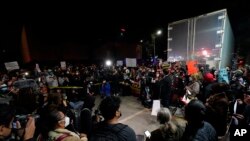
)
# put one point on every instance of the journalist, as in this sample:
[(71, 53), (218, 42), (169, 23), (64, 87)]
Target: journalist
[(10, 130)]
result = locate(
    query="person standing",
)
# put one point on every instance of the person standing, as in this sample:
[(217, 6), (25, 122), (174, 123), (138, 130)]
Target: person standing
[(110, 129), (105, 89), (165, 86)]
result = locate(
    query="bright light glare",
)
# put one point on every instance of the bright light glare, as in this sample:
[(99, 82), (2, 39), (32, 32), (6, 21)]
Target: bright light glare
[(108, 63), (204, 52), (26, 73), (158, 32)]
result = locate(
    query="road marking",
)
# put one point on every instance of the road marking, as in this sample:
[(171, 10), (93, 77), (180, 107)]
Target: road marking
[(132, 116)]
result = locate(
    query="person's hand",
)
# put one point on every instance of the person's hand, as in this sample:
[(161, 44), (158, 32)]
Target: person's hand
[(238, 116), (240, 101), (19, 128), (65, 103), (29, 129), (83, 137)]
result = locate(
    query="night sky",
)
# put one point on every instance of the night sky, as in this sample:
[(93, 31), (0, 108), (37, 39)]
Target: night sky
[(89, 25)]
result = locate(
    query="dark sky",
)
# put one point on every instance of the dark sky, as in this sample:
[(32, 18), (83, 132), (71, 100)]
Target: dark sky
[(92, 21), (95, 23)]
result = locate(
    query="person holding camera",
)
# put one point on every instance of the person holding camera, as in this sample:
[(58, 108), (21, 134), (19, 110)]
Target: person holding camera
[(8, 127)]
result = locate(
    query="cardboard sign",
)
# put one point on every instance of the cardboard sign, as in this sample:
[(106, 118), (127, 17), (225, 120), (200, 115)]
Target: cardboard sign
[(131, 62), (11, 66), (63, 65), (223, 76), (156, 107), (135, 89), (38, 68), (119, 63)]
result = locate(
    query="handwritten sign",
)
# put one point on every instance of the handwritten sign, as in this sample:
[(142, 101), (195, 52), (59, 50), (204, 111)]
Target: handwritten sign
[(11, 66)]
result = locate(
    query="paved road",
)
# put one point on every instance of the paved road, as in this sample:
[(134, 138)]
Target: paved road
[(136, 116)]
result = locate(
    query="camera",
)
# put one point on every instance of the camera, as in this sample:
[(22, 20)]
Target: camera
[(98, 116), (23, 120), (97, 112)]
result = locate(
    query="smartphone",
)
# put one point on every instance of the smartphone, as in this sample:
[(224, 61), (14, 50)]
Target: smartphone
[(14, 125), (147, 133)]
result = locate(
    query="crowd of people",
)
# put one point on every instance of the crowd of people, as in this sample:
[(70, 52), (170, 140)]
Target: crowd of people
[(57, 104)]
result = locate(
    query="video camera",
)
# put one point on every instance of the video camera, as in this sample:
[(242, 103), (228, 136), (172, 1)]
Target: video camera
[(23, 119), (97, 112), (97, 116)]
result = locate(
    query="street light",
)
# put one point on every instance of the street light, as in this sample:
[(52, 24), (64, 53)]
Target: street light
[(108, 63), (157, 33)]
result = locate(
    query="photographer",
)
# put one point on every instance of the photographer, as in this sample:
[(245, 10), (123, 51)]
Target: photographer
[(7, 129)]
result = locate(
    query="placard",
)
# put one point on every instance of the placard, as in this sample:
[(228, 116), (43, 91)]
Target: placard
[(156, 107), (131, 62), (119, 63), (11, 66), (63, 65)]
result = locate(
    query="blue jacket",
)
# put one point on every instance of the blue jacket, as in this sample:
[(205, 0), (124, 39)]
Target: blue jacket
[(105, 90)]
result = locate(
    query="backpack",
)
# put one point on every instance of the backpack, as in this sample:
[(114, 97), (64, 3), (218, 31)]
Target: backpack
[(108, 133)]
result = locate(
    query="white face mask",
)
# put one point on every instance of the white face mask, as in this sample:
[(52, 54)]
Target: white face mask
[(67, 121)]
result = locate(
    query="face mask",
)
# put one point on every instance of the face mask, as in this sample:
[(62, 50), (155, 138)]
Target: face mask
[(67, 121)]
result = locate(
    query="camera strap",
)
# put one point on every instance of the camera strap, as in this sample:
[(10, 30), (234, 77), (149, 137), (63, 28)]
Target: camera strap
[(60, 138)]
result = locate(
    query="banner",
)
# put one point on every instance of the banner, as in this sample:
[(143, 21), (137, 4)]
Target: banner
[(131, 62), (11, 66)]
